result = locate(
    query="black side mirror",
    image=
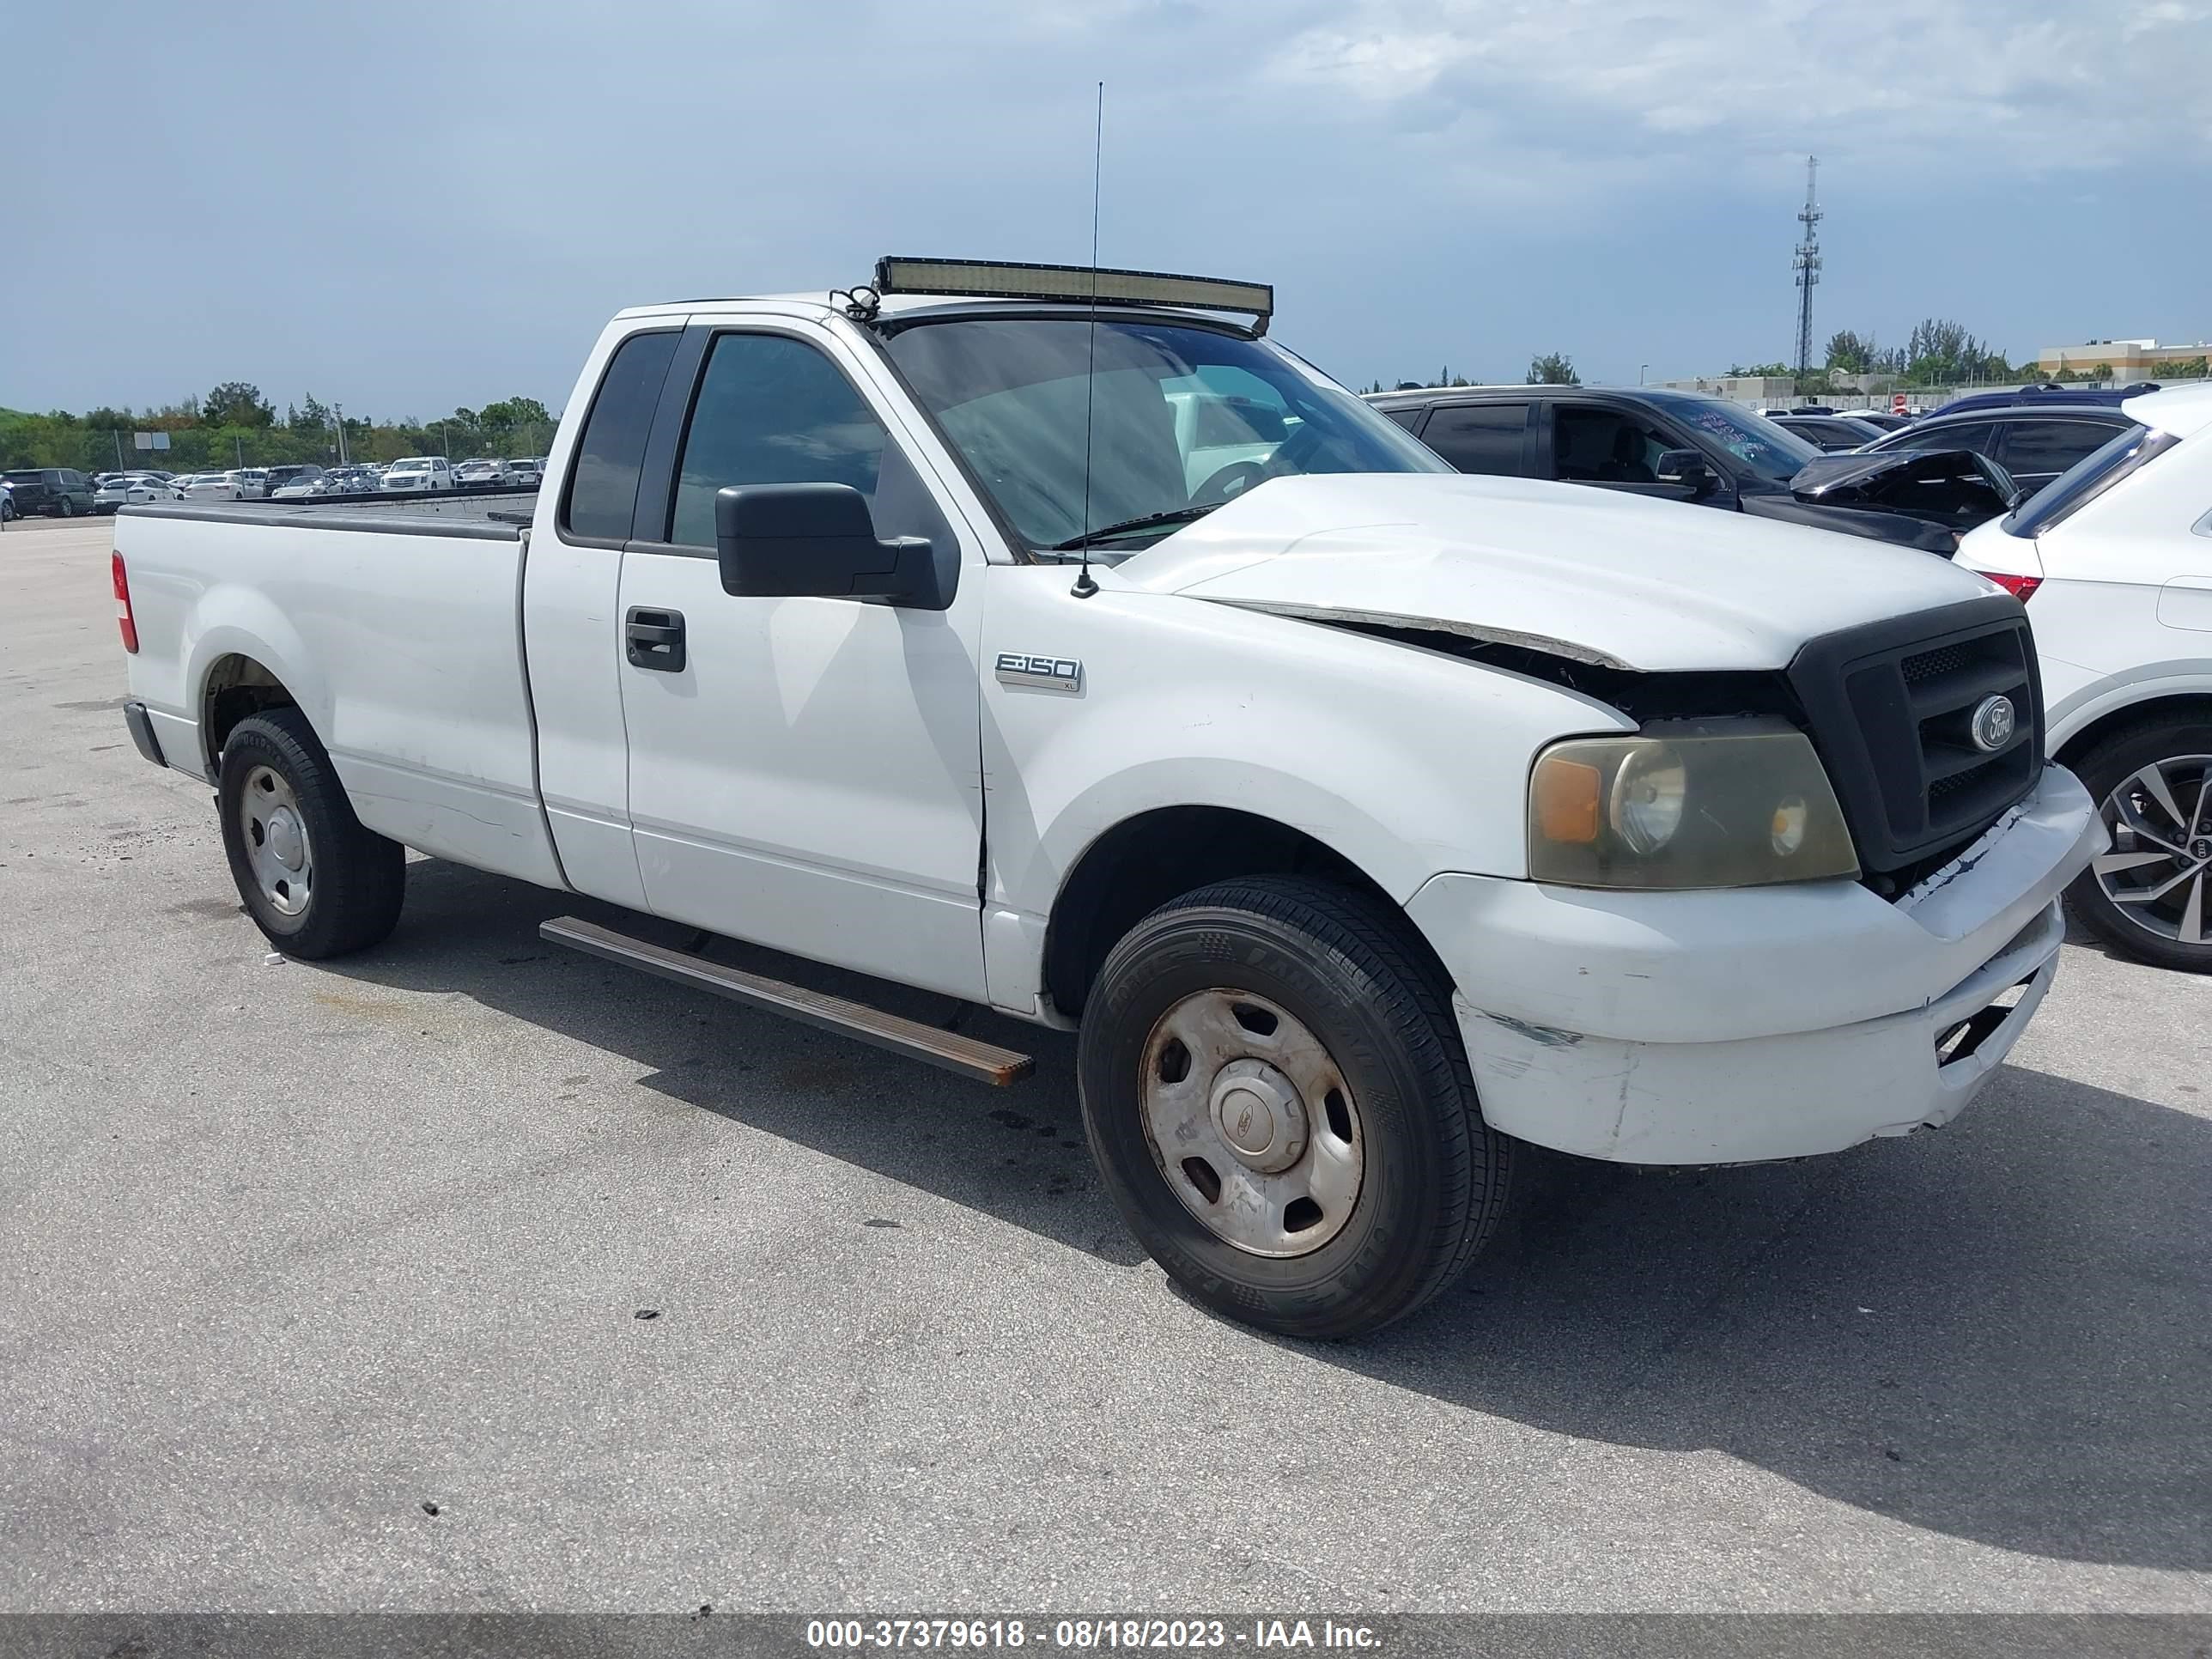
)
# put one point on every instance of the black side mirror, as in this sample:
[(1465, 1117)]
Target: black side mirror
[(1687, 469), (817, 540)]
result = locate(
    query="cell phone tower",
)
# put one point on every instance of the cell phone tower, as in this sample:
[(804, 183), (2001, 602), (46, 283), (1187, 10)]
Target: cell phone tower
[(1808, 266)]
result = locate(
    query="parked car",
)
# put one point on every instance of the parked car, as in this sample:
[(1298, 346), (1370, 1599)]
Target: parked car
[(2114, 563), (292, 484), (479, 471), (2080, 393), (130, 492), (230, 486), (419, 472), (2032, 442), (345, 481), (1357, 816), (57, 492), (1830, 433), (524, 474), (1880, 418), (6, 502), (1674, 446)]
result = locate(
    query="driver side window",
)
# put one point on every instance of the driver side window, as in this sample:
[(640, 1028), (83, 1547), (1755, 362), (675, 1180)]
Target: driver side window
[(1596, 445), (771, 410)]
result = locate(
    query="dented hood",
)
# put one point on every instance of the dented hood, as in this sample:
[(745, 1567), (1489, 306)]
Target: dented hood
[(1593, 576)]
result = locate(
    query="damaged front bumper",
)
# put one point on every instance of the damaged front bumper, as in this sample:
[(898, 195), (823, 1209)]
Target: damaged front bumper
[(1752, 1023)]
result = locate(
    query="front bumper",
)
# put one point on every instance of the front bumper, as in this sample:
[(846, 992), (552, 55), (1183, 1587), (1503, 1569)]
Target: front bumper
[(1761, 1023)]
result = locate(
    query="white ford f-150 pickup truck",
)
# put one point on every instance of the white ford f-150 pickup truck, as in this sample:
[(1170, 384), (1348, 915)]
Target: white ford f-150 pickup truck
[(1052, 640)]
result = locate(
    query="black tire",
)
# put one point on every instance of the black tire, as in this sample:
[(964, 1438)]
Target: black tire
[(1436, 1178), (2116, 759), (358, 878), (68, 507)]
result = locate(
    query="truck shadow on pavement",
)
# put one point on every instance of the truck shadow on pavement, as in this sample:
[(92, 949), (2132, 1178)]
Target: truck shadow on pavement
[(1997, 1331)]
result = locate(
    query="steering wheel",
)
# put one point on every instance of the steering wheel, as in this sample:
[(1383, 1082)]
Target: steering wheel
[(1231, 481)]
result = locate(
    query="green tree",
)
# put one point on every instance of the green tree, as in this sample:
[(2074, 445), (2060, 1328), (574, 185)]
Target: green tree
[(1553, 368), (1851, 352), (236, 403)]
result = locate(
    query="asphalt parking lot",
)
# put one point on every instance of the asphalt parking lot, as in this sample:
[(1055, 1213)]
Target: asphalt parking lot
[(295, 1254)]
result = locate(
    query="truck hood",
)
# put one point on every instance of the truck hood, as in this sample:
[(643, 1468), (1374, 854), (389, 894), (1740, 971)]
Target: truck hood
[(1593, 576)]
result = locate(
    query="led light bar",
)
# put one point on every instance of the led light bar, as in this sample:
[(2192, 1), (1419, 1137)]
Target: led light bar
[(986, 279)]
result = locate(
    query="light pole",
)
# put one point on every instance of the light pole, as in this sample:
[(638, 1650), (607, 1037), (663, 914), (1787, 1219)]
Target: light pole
[(1640, 367)]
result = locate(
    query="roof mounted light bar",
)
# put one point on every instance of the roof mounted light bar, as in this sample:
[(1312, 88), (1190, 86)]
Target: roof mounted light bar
[(1083, 285)]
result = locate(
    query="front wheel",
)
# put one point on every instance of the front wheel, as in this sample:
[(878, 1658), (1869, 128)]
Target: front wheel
[(2148, 897), (313, 878), (1279, 1104)]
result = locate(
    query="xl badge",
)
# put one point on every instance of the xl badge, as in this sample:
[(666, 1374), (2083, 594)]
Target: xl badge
[(1993, 724), (1044, 673)]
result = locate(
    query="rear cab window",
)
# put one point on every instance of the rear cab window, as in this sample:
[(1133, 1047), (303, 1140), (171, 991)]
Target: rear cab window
[(602, 494)]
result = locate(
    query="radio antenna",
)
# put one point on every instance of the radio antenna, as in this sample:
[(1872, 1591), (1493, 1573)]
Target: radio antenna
[(1084, 587)]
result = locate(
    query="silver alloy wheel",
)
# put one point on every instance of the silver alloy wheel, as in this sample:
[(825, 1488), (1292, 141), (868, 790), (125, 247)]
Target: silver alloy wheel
[(277, 840), (1251, 1123), (2161, 847)]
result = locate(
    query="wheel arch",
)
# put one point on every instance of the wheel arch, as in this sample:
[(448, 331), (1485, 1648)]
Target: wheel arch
[(1153, 856), (235, 687), (2177, 705)]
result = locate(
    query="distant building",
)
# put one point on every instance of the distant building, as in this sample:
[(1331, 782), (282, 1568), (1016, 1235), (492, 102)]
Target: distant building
[(2129, 360)]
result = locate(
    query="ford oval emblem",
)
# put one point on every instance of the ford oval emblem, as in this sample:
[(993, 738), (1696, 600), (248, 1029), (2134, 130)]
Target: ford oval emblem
[(1993, 724)]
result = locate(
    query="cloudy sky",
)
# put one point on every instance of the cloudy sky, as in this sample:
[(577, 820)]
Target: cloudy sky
[(403, 209)]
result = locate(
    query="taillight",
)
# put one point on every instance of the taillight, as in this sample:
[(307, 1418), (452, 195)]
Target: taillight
[(2020, 587), (123, 609)]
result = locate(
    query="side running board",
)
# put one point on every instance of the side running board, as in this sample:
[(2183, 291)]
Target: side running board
[(984, 1061)]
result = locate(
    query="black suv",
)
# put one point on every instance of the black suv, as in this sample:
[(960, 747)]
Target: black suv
[(1679, 445), (2034, 442), (60, 492)]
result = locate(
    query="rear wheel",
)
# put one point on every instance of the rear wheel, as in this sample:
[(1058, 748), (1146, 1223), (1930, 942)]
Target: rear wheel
[(314, 879), (2150, 895), (1280, 1106), (68, 507)]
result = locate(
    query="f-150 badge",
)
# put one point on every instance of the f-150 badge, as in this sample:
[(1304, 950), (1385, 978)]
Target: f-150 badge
[(1043, 673)]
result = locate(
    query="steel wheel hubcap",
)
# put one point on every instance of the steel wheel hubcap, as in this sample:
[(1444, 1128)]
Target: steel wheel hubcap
[(2161, 847), (1251, 1123), (276, 841)]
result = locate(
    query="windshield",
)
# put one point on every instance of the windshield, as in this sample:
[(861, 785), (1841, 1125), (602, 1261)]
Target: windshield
[(1770, 451), (2087, 479), (1180, 418)]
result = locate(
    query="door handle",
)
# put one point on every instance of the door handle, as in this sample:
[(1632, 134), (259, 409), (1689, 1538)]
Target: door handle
[(654, 639)]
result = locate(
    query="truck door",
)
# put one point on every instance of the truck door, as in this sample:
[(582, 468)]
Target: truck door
[(804, 773)]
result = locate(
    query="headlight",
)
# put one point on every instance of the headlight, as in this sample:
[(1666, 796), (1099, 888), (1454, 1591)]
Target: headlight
[(1724, 803)]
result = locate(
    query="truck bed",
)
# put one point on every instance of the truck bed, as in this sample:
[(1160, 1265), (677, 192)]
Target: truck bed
[(394, 624), (483, 513)]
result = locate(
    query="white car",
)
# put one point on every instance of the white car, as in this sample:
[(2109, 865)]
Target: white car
[(131, 491), (524, 474), (2114, 559), (419, 472), (292, 484), (230, 486), (481, 471), (1362, 818)]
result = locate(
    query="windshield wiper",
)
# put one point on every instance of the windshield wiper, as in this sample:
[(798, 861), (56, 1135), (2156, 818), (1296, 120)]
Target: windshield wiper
[(1173, 515)]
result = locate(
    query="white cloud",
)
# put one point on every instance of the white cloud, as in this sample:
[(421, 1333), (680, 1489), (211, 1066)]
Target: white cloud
[(2048, 84)]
